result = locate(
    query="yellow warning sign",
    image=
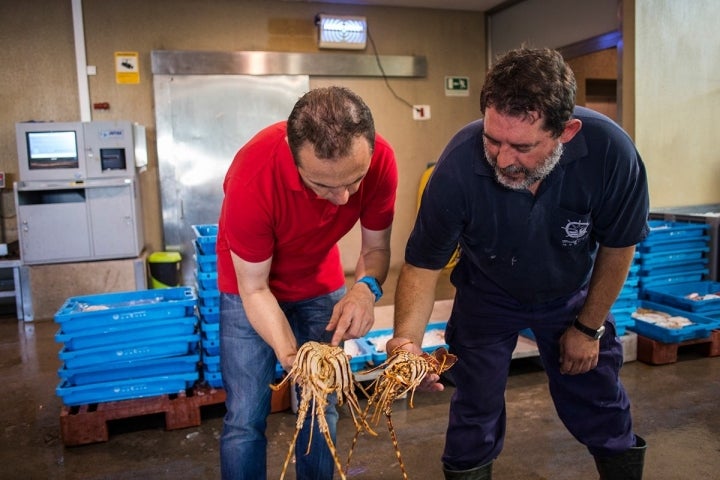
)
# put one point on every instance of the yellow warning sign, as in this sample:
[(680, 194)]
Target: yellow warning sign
[(127, 68)]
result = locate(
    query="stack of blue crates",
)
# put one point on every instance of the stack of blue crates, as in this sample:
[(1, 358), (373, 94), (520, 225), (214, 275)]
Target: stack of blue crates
[(674, 252), (209, 306), (628, 299), (126, 345), (209, 300)]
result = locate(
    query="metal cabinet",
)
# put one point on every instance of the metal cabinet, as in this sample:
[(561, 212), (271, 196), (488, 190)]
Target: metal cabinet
[(78, 222)]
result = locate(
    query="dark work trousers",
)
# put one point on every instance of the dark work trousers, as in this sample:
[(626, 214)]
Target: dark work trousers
[(483, 332)]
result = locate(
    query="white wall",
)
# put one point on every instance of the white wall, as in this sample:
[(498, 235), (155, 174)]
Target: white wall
[(677, 99)]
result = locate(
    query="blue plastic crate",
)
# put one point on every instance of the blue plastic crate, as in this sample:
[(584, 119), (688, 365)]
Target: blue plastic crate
[(672, 279), (210, 344), (126, 333), (205, 263), (125, 389), (152, 367), (700, 328), (677, 295), (89, 311), (214, 379), (205, 232), (362, 353), (527, 333), (211, 363), (669, 268), (661, 230), (378, 338), (207, 280), (662, 258), (205, 238), (209, 298), (154, 348), (673, 245), (209, 314)]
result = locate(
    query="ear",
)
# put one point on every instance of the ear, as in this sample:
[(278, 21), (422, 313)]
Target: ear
[(572, 127)]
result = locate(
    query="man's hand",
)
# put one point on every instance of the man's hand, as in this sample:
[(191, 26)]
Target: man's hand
[(354, 315), (431, 382), (578, 352)]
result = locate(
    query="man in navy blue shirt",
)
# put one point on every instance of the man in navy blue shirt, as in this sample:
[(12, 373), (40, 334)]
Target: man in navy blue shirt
[(547, 202)]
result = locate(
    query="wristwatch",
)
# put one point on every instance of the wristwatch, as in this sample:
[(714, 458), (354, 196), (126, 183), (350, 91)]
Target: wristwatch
[(374, 286), (590, 332)]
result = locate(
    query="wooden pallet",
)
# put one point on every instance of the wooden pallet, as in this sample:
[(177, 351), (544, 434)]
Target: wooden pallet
[(655, 352), (87, 424)]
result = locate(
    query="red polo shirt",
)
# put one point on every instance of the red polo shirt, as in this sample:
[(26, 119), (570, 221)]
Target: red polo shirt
[(268, 212)]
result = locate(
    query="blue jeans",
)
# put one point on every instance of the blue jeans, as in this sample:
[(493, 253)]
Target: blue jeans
[(248, 366)]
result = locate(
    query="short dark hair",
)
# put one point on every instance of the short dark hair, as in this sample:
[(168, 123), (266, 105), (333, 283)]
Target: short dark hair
[(526, 81), (329, 119)]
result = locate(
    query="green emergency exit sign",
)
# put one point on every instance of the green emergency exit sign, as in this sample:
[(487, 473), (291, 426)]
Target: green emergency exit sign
[(457, 86)]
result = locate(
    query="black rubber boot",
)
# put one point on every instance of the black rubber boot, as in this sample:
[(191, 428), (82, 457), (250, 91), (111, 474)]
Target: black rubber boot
[(624, 466), (483, 472)]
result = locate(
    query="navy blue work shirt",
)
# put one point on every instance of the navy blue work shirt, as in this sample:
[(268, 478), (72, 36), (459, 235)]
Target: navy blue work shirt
[(535, 248)]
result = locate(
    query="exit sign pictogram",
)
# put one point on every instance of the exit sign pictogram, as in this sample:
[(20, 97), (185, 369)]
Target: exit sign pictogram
[(457, 86)]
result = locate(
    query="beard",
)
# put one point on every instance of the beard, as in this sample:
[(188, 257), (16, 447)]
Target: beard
[(517, 177)]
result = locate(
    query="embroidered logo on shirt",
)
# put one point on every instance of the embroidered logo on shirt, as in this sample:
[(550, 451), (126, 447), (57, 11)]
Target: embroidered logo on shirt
[(575, 233)]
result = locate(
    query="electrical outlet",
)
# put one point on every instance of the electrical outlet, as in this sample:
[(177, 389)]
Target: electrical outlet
[(421, 112)]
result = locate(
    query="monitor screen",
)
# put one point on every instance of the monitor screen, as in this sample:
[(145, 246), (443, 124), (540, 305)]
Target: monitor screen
[(52, 149)]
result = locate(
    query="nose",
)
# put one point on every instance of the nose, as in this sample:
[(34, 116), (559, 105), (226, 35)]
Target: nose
[(505, 156), (339, 196)]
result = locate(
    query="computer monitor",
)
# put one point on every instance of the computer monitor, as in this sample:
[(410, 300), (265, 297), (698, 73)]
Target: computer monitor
[(50, 151)]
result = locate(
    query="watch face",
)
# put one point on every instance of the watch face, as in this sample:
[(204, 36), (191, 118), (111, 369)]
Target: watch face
[(596, 334), (600, 332)]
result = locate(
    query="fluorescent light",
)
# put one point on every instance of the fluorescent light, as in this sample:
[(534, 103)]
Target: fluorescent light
[(343, 32)]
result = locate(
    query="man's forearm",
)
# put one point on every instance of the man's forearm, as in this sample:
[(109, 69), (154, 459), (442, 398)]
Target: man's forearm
[(609, 275), (414, 302)]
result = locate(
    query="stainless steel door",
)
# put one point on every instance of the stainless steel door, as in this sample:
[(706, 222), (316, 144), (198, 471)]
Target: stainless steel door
[(202, 120)]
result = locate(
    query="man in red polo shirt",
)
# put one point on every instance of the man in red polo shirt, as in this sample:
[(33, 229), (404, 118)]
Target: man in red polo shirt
[(291, 193)]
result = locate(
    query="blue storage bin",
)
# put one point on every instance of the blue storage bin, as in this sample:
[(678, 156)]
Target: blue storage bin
[(206, 263), (527, 333), (205, 238), (155, 348), (90, 311), (211, 344), (207, 280), (673, 245), (209, 298), (676, 295), (363, 353), (209, 314), (673, 278), (212, 329), (378, 338), (662, 258), (207, 232), (700, 328), (661, 230), (126, 370), (211, 363), (127, 332), (125, 389), (670, 268), (214, 379)]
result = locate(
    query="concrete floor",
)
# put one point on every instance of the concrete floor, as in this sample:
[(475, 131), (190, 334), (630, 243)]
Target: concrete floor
[(676, 408)]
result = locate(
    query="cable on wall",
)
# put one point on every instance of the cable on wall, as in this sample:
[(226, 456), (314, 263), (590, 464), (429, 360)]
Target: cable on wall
[(382, 72)]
